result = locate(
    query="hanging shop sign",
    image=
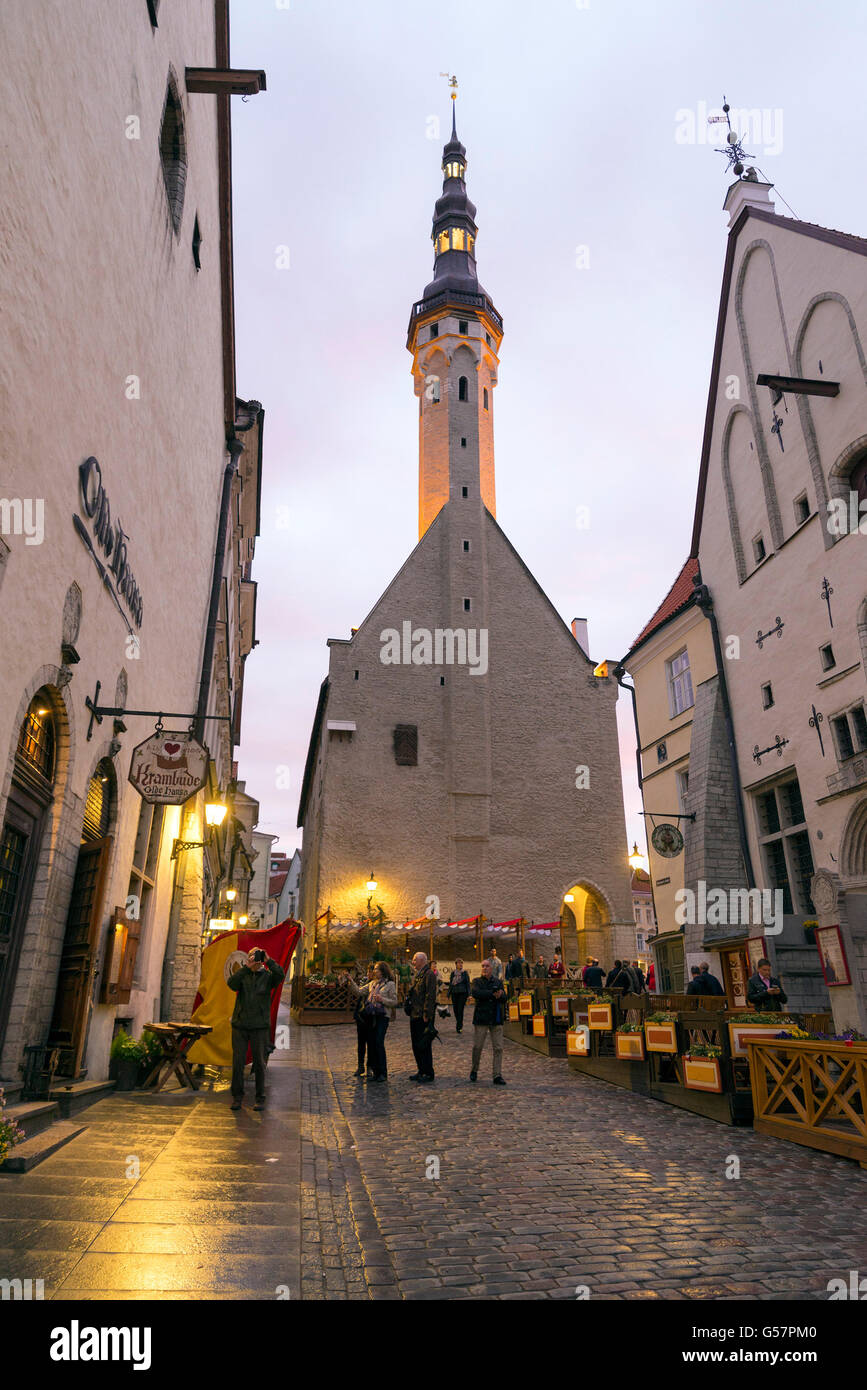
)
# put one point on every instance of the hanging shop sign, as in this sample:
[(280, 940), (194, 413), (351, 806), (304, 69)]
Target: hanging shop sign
[(168, 768), (108, 537), (667, 841)]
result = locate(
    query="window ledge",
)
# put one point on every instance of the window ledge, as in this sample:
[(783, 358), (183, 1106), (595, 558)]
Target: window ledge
[(837, 676)]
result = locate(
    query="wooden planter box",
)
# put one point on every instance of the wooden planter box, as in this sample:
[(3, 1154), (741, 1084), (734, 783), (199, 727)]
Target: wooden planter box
[(739, 1032), (514, 1012), (560, 1005), (540, 1025), (599, 1018), (525, 1005), (661, 1037), (629, 1047), (577, 1043), (702, 1074)]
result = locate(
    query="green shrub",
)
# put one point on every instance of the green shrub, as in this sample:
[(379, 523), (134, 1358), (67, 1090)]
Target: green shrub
[(125, 1048)]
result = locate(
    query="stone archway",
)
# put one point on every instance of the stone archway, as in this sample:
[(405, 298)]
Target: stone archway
[(585, 922)]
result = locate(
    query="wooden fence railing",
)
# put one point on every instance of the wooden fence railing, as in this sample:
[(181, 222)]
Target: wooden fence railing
[(812, 1093)]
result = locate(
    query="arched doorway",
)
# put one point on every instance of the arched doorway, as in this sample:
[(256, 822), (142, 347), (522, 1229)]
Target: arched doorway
[(72, 1001), (585, 920), (30, 795)]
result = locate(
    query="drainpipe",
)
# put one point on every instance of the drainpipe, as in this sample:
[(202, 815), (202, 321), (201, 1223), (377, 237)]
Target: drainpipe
[(235, 448), (705, 603)]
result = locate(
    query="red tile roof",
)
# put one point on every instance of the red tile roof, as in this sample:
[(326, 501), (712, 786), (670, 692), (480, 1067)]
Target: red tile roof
[(679, 595), (275, 884)]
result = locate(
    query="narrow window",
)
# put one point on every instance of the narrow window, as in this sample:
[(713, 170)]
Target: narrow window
[(463, 441), (679, 683), (463, 389), (153, 11), (468, 603), (197, 241), (463, 326), (489, 340), (356, 675), (465, 492), (767, 696), (802, 509), (173, 152), (458, 238), (486, 397), (859, 724), (466, 547), (406, 745), (827, 658), (434, 330), (758, 549), (845, 746), (442, 680)]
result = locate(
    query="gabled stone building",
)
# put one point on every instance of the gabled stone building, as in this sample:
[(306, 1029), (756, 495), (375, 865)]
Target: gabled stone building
[(463, 750)]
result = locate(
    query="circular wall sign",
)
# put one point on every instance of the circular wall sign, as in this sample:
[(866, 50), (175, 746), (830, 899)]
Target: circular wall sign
[(667, 841)]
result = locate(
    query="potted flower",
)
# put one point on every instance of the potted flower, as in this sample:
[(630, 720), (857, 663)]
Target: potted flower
[(578, 1042), (10, 1132), (599, 1013), (629, 1042), (660, 1031), (560, 1002), (125, 1059), (810, 925), (540, 1025), (701, 1067)]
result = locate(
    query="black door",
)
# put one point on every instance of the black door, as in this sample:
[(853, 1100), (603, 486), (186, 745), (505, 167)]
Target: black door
[(19, 847)]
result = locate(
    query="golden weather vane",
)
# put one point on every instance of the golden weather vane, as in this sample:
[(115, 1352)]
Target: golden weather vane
[(453, 83)]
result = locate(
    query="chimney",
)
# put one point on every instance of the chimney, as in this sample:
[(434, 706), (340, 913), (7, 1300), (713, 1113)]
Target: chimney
[(748, 192), (579, 632)]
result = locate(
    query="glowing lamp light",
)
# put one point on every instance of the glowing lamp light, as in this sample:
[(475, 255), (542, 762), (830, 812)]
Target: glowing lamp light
[(636, 858), (242, 921), (371, 884), (568, 897), (231, 894), (215, 813)]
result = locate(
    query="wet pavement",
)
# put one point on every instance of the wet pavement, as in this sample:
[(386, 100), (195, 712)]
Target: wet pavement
[(551, 1186)]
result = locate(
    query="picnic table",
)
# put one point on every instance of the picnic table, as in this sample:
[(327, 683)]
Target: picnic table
[(175, 1039)]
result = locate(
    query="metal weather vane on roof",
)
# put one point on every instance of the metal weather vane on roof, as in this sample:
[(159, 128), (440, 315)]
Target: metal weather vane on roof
[(733, 149), (453, 83)]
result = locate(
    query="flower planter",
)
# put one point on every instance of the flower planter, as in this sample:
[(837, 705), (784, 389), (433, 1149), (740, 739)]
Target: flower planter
[(599, 1017), (560, 1005), (540, 1025), (125, 1072), (739, 1032), (702, 1073), (525, 1005), (514, 1012), (577, 1042), (629, 1047), (661, 1037)]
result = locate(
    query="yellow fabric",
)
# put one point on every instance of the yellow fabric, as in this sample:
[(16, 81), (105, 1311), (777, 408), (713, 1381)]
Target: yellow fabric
[(218, 1002)]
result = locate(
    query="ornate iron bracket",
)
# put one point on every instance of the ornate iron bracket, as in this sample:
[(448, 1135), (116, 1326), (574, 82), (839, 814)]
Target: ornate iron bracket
[(98, 711), (776, 747), (826, 593), (815, 722), (763, 636)]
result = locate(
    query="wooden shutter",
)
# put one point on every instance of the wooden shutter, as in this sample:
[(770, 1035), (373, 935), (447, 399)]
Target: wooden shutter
[(406, 745)]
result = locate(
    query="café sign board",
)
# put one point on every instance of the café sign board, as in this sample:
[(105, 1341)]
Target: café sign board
[(168, 768)]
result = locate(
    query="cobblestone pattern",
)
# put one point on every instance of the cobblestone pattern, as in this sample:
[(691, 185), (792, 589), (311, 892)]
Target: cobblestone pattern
[(553, 1182)]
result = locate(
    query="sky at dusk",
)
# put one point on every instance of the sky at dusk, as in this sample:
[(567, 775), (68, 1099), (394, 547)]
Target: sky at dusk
[(601, 242)]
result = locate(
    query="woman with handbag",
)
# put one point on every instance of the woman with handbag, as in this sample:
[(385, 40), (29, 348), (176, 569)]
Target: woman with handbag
[(378, 1012), (360, 992)]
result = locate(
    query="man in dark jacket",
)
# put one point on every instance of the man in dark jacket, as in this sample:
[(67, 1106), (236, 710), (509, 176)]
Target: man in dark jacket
[(488, 1017), (594, 975), (421, 997), (253, 983), (698, 984), (540, 969), (459, 991), (764, 991), (714, 985)]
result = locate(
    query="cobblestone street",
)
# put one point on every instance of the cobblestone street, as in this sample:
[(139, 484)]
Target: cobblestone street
[(553, 1182)]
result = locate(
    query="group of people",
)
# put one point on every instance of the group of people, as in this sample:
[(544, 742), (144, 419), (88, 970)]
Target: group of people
[(702, 981)]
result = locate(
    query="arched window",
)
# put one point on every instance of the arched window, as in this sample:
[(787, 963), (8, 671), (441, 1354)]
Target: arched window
[(463, 389), (486, 397), (858, 479), (99, 803), (37, 737), (173, 152)]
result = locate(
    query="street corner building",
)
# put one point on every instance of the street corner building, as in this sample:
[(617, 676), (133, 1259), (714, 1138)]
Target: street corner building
[(129, 508), (463, 748), (750, 678)]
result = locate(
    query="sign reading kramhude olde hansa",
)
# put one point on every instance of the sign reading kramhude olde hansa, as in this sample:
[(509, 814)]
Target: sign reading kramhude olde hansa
[(168, 768)]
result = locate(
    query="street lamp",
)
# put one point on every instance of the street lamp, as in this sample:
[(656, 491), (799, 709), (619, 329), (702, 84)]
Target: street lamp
[(371, 885), (215, 814), (636, 858), (568, 897), (231, 894)]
